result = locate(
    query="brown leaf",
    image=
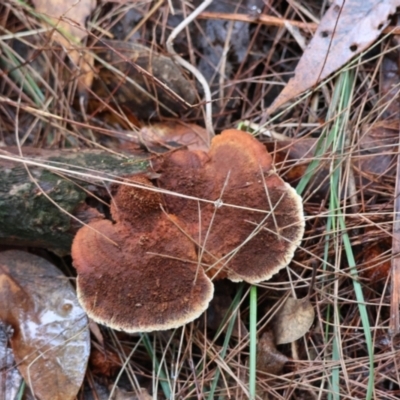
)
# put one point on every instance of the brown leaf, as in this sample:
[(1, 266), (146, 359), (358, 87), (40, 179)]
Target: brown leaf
[(292, 157), (68, 15), (69, 18), (376, 152), (375, 262), (269, 359), (344, 32), (171, 135), (50, 330), (293, 320), (104, 362)]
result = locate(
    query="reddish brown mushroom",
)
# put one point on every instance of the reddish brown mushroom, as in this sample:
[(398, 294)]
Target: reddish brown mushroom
[(254, 222), (139, 274), (150, 270)]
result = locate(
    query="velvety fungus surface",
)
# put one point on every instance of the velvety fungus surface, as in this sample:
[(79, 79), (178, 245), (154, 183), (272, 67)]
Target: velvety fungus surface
[(151, 267), (140, 273), (255, 221)]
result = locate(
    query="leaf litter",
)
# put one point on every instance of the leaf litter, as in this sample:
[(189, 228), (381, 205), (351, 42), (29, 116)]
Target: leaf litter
[(293, 320), (302, 124), (147, 82), (348, 28), (68, 28)]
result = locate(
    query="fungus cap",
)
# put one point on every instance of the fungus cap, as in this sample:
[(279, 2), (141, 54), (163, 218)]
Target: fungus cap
[(150, 270), (256, 221), (139, 274)]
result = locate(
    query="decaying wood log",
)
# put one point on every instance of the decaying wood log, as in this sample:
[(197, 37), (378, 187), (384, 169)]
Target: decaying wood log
[(34, 205)]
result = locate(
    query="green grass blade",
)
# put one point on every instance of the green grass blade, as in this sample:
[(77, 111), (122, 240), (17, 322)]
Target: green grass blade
[(344, 91), (253, 342), (228, 335), (157, 366)]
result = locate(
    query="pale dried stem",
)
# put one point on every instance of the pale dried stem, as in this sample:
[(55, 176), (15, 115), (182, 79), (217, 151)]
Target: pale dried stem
[(192, 69)]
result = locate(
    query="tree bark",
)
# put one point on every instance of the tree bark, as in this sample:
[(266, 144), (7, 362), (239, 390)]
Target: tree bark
[(34, 205)]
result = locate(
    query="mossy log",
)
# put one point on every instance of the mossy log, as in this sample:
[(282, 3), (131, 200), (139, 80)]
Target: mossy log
[(41, 193)]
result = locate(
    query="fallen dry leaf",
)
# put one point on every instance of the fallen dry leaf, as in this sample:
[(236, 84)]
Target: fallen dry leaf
[(104, 362), (269, 359), (375, 155), (69, 18), (50, 340), (375, 261), (171, 135), (68, 15), (347, 29), (149, 84), (293, 320)]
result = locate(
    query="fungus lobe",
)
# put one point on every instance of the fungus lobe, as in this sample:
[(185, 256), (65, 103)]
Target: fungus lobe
[(253, 221), (140, 273), (151, 269)]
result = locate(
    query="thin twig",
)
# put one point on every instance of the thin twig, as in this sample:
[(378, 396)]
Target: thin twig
[(144, 20), (275, 21)]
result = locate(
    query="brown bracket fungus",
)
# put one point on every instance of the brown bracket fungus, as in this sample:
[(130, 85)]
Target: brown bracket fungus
[(151, 269), (253, 221), (139, 274)]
